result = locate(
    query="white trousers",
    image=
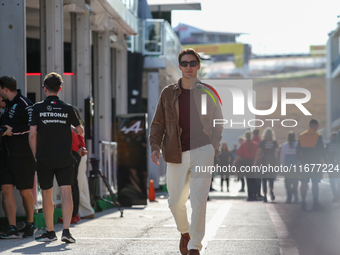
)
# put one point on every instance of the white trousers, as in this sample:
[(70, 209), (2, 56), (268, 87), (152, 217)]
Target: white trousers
[(182, 177), (85, 208)]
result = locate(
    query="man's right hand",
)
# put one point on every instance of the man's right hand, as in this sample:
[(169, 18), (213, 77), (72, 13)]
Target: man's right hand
[(155, 157)]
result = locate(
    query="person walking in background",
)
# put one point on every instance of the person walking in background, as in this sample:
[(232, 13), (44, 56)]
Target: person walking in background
[(85, 209), (21, 170), (246, 154), (188, 139), (78, 151), (288, 158), (256, 138), (50, 138), (310, 150), (225, 159), (240, 176), (267, 155), (234, 151), (331, 157)]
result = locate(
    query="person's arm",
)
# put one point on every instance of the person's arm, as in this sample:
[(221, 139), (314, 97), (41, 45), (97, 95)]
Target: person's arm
[(218, 129), (257, 155), (23, 114), (82, 150), (81, 141), (157, 131), (79, 130), (33, 140), (74, 121)]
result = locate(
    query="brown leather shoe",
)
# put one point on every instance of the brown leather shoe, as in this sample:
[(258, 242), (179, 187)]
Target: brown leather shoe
[(91, 216), (194, 252), (183, 244)]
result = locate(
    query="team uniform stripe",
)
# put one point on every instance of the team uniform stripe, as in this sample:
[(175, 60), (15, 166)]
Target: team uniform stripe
[(24, 101), (21, 133)]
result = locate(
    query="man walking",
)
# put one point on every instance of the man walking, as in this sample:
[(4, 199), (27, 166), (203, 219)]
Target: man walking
[(20, 171), (310, 150), (50, 139), (187, 139)]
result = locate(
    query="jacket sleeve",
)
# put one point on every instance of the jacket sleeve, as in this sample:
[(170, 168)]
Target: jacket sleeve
[(23, 117), (157, 127), (217, 130), (81, 141)]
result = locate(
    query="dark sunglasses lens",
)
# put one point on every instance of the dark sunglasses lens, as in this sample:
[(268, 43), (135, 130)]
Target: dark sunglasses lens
[(193, 63), (184, 63)]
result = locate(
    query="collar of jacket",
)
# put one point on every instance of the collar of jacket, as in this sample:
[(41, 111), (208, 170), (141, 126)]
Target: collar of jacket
[(18, 95), (177, 84)]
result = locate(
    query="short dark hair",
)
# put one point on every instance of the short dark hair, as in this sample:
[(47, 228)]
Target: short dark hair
[(189, 51), (313, 122), (8, 82), (53, 82), (256, 131)]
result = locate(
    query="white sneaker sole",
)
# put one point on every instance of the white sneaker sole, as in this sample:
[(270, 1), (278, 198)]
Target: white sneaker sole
[(10, 237), (47, 239), (67, 240)]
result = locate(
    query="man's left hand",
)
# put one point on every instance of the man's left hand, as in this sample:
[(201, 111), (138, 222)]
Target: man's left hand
[(8, 131)]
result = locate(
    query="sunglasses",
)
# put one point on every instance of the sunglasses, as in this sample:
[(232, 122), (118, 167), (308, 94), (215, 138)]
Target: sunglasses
[(191, 63)]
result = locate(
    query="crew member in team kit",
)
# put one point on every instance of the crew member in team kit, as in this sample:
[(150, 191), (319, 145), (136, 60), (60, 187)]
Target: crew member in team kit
[(50, 139), (20, 171)]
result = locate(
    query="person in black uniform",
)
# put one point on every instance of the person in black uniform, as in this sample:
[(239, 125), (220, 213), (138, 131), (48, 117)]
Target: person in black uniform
[(50, 139), (21, 170)]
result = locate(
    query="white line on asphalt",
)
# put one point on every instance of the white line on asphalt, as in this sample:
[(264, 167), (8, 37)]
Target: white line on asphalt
[(157, 209), (126, 238), (287, 243), (235, 239), (172, 239), (214, 224)]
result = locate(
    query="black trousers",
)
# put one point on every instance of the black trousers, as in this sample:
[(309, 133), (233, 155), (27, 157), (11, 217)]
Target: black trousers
[(251, 182), (75, 187), (264, 184), (252, 188)]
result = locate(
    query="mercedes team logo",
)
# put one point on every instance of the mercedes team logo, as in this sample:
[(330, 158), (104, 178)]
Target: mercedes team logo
[(49, 108)]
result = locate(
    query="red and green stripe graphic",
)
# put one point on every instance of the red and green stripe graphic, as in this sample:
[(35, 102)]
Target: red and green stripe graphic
[(208, 92)]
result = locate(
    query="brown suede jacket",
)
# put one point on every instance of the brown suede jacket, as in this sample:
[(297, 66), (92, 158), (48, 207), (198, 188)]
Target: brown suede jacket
[(165, 132)]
